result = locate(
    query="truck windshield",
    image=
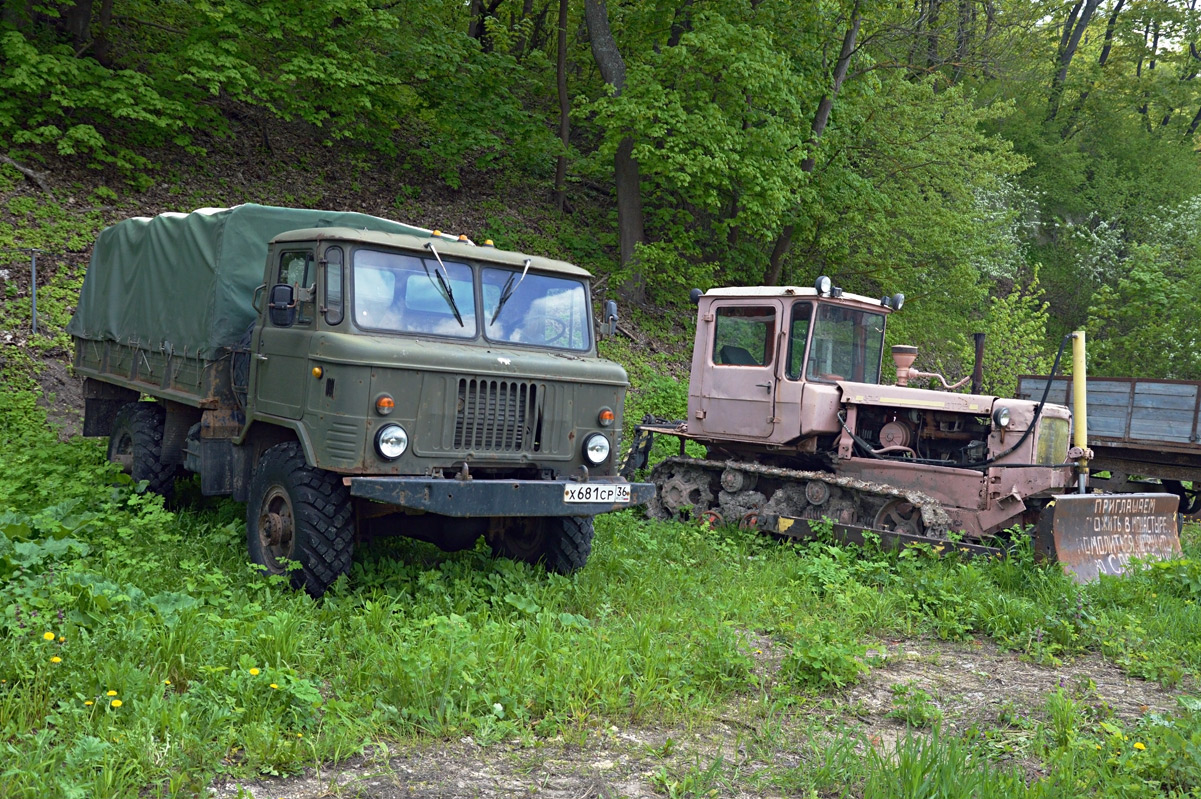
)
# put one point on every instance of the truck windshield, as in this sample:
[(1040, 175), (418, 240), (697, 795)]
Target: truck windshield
[(541, 310), (401, 293), (847, 345)]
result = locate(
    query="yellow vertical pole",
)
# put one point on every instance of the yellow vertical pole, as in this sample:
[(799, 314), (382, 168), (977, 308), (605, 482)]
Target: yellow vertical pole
[(1080, 410)]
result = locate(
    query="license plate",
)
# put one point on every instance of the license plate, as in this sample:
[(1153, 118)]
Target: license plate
[(596, 492)]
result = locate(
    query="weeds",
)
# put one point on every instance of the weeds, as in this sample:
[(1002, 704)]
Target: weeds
[(216, 670)]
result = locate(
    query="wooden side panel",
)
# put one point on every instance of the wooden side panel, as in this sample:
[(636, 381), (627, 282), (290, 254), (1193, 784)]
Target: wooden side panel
[(1131, 411), (1162, 411)]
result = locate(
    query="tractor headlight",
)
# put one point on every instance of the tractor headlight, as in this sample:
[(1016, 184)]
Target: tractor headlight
[(596, 449), (1000, 417), (391, 441)]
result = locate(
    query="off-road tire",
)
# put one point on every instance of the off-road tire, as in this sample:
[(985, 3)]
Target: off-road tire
[(560, 543), (311, 507), (136, 441)]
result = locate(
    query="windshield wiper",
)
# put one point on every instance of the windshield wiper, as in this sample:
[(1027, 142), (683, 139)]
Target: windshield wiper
[(507, 291), (444, 282)]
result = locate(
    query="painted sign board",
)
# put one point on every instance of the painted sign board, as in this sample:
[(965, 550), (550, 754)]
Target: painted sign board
[(1095, 534)]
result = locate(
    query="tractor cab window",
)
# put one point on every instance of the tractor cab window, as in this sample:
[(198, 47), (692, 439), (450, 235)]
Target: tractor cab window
[(847, 344), (744, 336), (798, 334)]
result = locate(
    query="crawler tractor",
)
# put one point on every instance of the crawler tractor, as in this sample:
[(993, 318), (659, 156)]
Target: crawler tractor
[(786, 397)]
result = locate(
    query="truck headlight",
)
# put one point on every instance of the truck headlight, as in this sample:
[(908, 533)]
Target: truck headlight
[(596, 449), (1000, 417), (391, 441)]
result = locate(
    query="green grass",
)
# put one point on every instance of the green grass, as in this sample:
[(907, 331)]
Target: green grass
[(219, 671)]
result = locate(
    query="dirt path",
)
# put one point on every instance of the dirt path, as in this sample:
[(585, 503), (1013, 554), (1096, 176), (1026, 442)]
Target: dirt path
[(969, 684)]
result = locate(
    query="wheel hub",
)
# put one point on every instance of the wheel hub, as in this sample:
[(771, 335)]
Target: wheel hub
[(279, 529)]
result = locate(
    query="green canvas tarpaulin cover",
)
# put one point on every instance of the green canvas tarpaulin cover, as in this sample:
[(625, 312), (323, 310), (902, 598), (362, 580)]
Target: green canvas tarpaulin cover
[(185, 282)]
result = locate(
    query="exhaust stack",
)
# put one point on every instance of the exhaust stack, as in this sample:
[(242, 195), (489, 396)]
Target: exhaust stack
[(903, 355)]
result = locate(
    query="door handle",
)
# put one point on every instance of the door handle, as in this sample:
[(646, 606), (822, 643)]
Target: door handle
[(260, 357), (763, 385)]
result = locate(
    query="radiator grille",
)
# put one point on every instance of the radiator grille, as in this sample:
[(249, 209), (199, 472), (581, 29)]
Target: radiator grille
[(497, 416)]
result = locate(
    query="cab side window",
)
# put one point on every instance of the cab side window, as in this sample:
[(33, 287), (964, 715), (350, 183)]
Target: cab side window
[(334, 299), (798, 334), (296, 269), (744, 336)]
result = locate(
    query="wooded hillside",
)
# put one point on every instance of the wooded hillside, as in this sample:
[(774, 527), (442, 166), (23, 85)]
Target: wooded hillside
[(1023, 167)]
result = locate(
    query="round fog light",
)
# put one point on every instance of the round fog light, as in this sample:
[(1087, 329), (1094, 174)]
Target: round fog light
[(1000, 417), (391, 441), (596, 449)]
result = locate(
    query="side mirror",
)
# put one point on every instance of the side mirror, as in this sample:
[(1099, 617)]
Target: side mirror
[(281, 306), (609, 323)]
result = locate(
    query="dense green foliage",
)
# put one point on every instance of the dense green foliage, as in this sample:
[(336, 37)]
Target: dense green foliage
[(951, 151)]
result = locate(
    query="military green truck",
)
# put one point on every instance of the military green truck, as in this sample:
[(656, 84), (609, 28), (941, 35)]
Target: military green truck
[(348, 376)]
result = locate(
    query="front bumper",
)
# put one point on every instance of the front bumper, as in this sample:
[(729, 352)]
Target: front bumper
[(469, 498)]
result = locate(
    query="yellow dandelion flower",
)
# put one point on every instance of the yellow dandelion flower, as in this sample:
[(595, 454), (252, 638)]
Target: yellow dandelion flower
[(1098, 747), (298, 735), (1139, 745), (110, 693), (166, 682), (62, 638), (88, 702), (48, 636), (254, 672), (273, 685), (56, 659), (115, 703)]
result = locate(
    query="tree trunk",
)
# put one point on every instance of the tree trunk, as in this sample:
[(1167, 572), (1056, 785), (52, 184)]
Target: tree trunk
[(104, 45), (775, 263), (1106, 48), (1073, 30), (964, 28), (75, 24), (1150, 68), (564, 110), (1192, 128), (625, 167), (932, 60), (17, 15)]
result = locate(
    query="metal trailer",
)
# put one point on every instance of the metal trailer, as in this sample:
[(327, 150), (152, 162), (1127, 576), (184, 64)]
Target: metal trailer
[(1144, 433)]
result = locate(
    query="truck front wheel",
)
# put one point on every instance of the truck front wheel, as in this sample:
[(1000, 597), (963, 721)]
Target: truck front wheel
[(561, 543), (298, 513), (136, 442)]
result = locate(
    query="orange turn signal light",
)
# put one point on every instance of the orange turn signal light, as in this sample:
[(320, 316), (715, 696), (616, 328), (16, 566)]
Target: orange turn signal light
[(317, 372), (605, 417), (384, 405)]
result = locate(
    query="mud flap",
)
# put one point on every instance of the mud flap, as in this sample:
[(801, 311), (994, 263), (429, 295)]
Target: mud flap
[(1095, 534)]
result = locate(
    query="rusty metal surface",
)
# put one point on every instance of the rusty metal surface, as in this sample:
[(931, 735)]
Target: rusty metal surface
[(802, 530), (1095, 534), (934, 517)]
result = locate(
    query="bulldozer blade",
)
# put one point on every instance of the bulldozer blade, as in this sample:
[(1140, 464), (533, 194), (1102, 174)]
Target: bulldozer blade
[(800, 529), (1095, 534)]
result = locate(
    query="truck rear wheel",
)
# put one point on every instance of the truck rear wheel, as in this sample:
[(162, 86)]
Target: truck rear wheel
[(298, 513), (561, 543), (136, 442)]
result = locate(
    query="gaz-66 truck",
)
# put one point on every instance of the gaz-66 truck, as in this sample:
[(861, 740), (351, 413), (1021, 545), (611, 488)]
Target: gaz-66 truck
[(346, 375)]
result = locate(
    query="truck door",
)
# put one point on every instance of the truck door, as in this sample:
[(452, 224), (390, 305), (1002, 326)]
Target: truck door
[(738, 385), (281, 375)]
